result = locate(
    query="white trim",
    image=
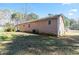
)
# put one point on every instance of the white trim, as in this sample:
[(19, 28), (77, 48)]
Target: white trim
[(60, 29)]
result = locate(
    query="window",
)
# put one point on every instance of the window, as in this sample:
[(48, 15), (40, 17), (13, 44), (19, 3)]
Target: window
[(49, 22), (29, 25)]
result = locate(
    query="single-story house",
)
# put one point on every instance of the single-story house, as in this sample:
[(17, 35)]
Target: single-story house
[(50, 25)]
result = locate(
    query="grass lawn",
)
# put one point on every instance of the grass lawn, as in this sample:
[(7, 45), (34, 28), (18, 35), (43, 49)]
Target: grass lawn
[(12, 43)]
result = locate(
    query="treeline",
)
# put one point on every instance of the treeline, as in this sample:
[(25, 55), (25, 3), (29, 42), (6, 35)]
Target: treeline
[(12, 18), (15, 18), (71, 23), (18, 18)]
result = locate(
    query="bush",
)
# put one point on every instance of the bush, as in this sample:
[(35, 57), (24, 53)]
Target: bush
[(75, 27), (9, 29)]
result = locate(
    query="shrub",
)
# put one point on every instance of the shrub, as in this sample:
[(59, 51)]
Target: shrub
[(9, 27)]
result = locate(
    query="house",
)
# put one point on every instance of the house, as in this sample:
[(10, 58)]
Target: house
[(50, 25)]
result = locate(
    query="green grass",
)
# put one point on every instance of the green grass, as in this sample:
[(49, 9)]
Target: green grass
[(5, 37), (38, 45)]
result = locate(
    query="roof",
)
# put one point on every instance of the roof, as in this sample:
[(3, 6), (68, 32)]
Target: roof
[(46, 18)]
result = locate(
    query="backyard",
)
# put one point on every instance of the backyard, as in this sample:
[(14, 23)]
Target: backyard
[(17, 43)]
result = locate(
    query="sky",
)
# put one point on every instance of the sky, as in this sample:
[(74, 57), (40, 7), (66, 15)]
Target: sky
[(68, 9), (18, 7), (43, 9)]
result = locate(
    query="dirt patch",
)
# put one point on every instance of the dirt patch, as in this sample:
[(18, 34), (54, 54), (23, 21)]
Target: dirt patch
[(72, 33)]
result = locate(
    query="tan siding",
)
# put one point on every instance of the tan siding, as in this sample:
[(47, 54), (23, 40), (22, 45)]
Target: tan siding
[(42, 26)]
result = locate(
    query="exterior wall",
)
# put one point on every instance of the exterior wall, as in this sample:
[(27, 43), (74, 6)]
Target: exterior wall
[(56, 27), (60, 26), (44, 27), (40, 26), (21, 27)]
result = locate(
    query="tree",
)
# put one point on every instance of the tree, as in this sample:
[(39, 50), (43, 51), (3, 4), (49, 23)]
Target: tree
[(5, 15), (17, 17), (32, 16), (50, 14), (74, 24), (66, 21), (72, 21)]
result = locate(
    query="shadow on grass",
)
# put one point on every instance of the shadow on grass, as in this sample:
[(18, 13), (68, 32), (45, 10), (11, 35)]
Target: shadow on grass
[(39, 45)]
